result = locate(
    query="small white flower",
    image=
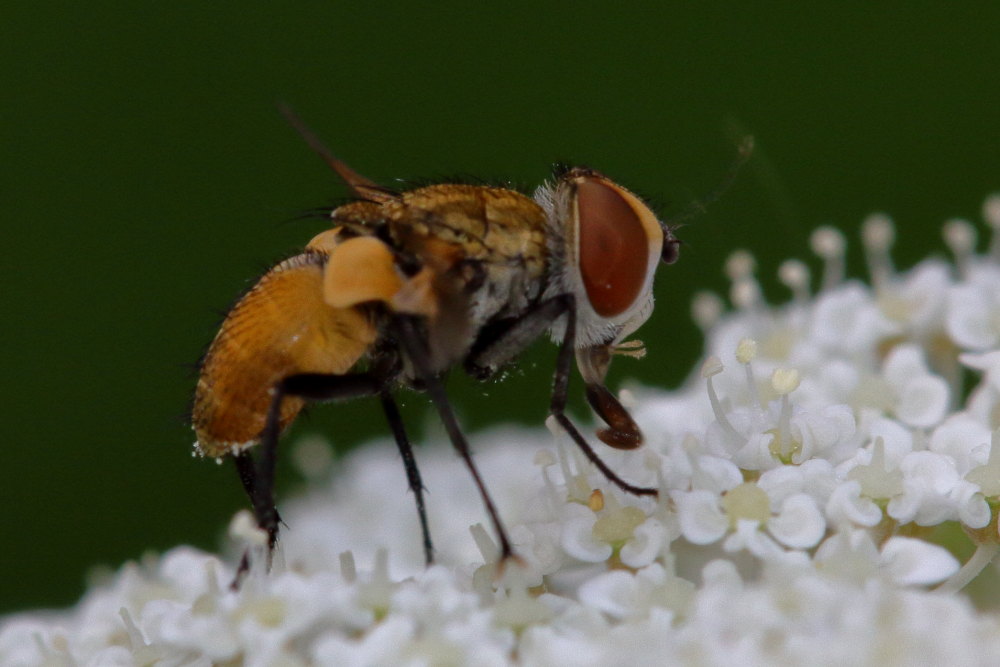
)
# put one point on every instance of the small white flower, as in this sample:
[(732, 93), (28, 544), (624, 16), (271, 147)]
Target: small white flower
[(917, 302), (973, 317), (595, 536), (852, 555), (621, 594), (846, 504), (928, 481), (877, 478), (797, 522), (825, 433), (921, 397), (962, 438), (701, 516), (846, 321)]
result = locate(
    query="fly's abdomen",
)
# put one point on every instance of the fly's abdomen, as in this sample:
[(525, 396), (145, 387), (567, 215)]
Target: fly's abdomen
[(279, 328)]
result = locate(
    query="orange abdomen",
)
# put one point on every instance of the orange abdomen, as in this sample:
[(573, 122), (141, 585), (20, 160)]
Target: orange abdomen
[(279, 328)]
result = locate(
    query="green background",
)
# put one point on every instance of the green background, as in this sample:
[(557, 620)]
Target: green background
[(146, 177)]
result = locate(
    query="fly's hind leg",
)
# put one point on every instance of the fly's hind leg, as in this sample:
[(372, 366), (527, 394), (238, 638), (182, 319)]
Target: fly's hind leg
[(257, 474), (246, 469)]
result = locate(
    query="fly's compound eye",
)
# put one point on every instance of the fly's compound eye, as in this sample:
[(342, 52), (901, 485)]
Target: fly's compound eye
[(671, 249), (614, 246)]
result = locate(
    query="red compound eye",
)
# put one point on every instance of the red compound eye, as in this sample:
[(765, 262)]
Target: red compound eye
[(614, 248)]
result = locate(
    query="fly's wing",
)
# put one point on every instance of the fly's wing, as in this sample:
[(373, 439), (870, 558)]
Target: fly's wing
[(363, 188), (281, 327)]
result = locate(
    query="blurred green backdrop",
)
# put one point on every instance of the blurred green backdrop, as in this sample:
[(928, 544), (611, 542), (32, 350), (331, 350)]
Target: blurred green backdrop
[(146, 177)]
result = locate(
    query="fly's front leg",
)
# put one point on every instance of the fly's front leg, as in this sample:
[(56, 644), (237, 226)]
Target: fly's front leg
[(501, 342), (622, 431), (622, 428)]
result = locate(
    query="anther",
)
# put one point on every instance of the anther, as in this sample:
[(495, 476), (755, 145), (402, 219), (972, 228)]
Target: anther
[(829, 245)]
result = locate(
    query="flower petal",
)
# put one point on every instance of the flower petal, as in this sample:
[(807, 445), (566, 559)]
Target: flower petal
[(913, 562), (799, 524)]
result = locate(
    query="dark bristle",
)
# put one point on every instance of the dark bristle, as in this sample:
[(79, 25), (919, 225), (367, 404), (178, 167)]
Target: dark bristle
[(407, 184), (183, 419), (560, 169), (191, 368), (318, 213)]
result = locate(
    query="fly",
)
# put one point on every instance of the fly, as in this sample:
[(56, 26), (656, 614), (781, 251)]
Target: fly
[(406, 285)]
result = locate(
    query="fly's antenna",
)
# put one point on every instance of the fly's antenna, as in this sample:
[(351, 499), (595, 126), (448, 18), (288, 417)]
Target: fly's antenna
[(697, 207), (362, 187)]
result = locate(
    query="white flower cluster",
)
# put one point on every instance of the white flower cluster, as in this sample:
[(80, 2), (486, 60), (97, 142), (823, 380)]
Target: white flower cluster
[(805, 474)]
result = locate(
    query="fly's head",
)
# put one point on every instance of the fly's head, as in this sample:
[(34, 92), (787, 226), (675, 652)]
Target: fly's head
[(607, 243)]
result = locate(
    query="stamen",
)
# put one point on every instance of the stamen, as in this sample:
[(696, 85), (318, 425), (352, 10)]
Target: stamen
[(745, 292), (712, 367), (746, 351), (706, 309), (829, 245), (244, 528), (878, 236), (784, 381), (577, 487), (545, 460), (794, 275), (961, 237), (987, 476), (140, 649), (876, 480), (487, 547), (376, 594), (991, 213), (740, 265), (348, 570), (596, 500), (628, 398)]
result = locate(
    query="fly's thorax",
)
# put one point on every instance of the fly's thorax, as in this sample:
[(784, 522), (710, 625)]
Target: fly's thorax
[(605, 245), (498, 234)]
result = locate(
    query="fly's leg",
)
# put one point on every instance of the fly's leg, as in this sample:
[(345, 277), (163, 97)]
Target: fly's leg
[(622, 431), (604, 407), (248, 477), (257, 474), (413, 342), (501, 342), (412, 472), (498, 345)]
